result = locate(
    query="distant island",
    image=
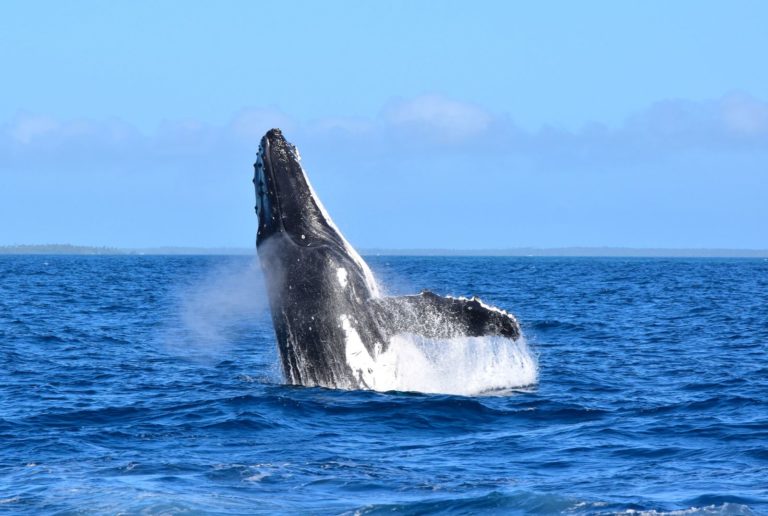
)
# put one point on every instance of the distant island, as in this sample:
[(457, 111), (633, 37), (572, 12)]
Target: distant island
[(626, 252), (93, 250), (58, 249)]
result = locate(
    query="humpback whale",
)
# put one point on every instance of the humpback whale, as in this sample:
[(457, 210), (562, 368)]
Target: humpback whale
[(330, 318)]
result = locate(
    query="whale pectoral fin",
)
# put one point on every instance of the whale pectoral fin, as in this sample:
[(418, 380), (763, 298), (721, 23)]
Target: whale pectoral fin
[(434, 316)]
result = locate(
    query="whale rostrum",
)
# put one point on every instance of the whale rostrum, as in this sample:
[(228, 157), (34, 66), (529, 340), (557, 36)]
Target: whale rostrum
[(330, 318)]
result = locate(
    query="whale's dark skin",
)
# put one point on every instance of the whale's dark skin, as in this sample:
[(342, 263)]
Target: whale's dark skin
[(321, 292)]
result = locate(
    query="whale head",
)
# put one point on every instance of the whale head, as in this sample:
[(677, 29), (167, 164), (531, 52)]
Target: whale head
[(285, 202)]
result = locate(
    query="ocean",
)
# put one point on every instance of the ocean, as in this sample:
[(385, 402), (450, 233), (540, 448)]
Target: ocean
[(151, 385)]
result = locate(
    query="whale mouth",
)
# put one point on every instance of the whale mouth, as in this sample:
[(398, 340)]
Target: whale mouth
[(285, 201), (267, 198), (261, 182)]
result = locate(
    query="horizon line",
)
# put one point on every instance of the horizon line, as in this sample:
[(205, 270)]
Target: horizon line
[(564, 251)]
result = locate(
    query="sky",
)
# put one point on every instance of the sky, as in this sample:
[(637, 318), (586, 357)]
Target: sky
[(482, 125)]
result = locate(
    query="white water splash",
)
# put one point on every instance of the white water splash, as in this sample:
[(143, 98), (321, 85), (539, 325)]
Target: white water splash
[(467, 366), (214, 309)]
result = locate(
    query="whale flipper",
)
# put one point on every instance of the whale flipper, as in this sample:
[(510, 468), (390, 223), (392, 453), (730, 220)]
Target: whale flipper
[(433, 316)]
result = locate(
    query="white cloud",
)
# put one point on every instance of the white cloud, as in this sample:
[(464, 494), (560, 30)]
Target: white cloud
[(423, 124), (250, 124), (438, 118), (25, 128), (744, 114), (344, 125)]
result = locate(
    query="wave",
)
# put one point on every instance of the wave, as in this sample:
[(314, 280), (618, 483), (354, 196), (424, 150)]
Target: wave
[(541, 503)]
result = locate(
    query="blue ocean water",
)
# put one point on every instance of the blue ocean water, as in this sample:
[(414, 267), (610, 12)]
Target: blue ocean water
[(150, 384)]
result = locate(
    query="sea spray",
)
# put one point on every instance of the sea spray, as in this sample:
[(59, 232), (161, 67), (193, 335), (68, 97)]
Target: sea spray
[(222, 306), (462, 365), (216, 308)]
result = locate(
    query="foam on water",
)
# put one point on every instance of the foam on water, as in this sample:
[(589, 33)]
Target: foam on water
[(462, 365), (726, 509)]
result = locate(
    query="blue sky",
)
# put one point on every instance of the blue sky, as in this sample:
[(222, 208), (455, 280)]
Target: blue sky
[(422, 124)]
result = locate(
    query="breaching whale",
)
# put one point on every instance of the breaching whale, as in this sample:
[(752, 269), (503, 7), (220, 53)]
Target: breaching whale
[(331, 321)]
